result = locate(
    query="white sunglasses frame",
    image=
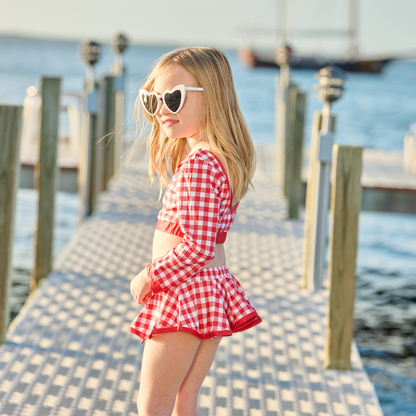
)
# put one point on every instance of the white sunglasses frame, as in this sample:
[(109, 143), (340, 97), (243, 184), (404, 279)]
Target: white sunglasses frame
[(161, 97)]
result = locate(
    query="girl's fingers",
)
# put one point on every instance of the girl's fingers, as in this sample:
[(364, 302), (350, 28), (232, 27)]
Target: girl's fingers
[(147, 297), (143, 299), (135, 295), (140, 289)]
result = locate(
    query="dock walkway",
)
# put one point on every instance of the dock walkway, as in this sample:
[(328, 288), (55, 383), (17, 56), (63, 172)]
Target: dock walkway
[(69, 351)]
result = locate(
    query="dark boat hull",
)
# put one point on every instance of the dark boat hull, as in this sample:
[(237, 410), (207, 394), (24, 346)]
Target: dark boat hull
[(373, 66)]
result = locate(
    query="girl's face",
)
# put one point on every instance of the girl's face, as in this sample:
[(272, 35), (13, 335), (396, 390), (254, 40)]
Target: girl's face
[(189, 121)]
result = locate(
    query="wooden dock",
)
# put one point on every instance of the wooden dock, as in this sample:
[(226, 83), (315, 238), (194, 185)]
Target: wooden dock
[(69, 351)]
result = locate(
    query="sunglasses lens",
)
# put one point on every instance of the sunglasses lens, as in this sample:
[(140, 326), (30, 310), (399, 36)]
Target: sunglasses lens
[(150, 103), (173, 100)]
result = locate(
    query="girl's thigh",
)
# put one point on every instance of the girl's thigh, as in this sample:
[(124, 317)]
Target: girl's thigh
[(200, 366), (187, 397), (167, 359)]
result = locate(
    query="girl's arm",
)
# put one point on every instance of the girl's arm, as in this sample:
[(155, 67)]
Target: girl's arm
[(198, 205)]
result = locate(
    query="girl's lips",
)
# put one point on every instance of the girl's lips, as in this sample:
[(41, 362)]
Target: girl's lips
[(169, 122)]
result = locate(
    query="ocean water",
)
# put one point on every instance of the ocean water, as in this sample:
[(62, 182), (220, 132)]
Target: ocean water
[(375, 111)]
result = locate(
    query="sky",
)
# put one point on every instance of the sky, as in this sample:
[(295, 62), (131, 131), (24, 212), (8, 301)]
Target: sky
[(385, 26)]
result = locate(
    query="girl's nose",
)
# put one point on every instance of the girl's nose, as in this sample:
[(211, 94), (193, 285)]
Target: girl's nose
[(163, 110)]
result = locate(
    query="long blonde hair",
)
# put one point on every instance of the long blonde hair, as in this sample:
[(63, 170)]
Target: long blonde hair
[(224, 127)]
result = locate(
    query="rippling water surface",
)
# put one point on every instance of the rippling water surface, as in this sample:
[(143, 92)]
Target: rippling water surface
[(376, 112)]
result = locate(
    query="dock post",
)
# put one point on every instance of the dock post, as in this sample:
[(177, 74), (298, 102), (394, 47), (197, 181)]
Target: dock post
[(45, 178), (90, 159), (313, 160), (345, 209), (119, 44), (287, 139), (409, 150), (330, 89), (282, 95), (10, 132), (107, 127), (294, 155)]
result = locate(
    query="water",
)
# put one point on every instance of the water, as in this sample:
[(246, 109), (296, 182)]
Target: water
[(66, 206), (375, 111)]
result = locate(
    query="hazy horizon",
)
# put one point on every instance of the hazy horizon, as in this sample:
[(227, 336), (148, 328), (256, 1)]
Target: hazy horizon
[(384, 27)]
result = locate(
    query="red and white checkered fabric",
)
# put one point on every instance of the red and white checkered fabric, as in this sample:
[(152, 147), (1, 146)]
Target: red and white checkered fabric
[(199, 199), (210, 304)]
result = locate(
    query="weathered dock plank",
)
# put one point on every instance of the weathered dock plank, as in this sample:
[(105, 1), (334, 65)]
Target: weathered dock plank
[(70, 353)]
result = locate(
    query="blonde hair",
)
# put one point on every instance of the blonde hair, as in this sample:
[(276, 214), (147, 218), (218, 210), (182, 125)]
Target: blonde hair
[(224, 126)]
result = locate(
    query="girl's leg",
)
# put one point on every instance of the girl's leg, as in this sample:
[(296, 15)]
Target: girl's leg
[(167, 359), (187, 398)]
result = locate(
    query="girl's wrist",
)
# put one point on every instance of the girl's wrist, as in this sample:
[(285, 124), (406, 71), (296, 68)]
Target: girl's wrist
[(153, 282)]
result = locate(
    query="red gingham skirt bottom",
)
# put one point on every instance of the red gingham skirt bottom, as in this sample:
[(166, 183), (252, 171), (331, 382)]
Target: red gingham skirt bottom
[(210, 304)]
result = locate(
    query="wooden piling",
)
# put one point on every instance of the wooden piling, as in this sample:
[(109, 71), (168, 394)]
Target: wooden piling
[(119, 120), (285, 120), (313, 159), (281, 96), (91, 160), (107, 126), (97, 154), (316, 128), (10, 132), (409, 153), (119, 82), (345, 209), (45, 178), (289, 128), (295, 150)]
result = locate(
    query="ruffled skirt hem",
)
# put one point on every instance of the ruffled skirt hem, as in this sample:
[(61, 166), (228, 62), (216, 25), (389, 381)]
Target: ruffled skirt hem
[(247, 322)]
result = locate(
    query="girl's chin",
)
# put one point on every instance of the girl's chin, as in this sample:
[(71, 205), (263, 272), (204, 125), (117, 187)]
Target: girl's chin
[(173, 136), (170, 134)]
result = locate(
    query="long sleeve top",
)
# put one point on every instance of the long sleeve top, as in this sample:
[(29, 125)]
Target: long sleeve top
[(197, 205)]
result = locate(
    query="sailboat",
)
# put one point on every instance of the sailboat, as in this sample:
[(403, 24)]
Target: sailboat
[(351, 63)]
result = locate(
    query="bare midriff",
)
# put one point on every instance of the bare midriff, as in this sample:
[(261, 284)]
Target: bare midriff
[(163, 242)]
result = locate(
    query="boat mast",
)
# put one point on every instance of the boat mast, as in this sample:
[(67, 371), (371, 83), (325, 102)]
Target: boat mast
[(282, 30), (353, 32)]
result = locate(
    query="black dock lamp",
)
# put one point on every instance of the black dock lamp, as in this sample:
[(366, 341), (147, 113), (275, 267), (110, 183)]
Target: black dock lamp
[(90, 52), (119, 43)]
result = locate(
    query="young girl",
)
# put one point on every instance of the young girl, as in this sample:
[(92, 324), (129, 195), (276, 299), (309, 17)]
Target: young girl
[(192, 300)]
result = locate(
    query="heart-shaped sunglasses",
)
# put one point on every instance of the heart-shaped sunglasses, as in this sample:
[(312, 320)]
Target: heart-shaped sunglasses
[(173, 99)]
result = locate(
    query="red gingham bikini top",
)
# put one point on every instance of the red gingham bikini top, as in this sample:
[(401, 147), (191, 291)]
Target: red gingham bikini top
[(208, 171)]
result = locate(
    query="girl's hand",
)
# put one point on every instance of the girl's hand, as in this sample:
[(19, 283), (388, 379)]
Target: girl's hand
[(140, 288)]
